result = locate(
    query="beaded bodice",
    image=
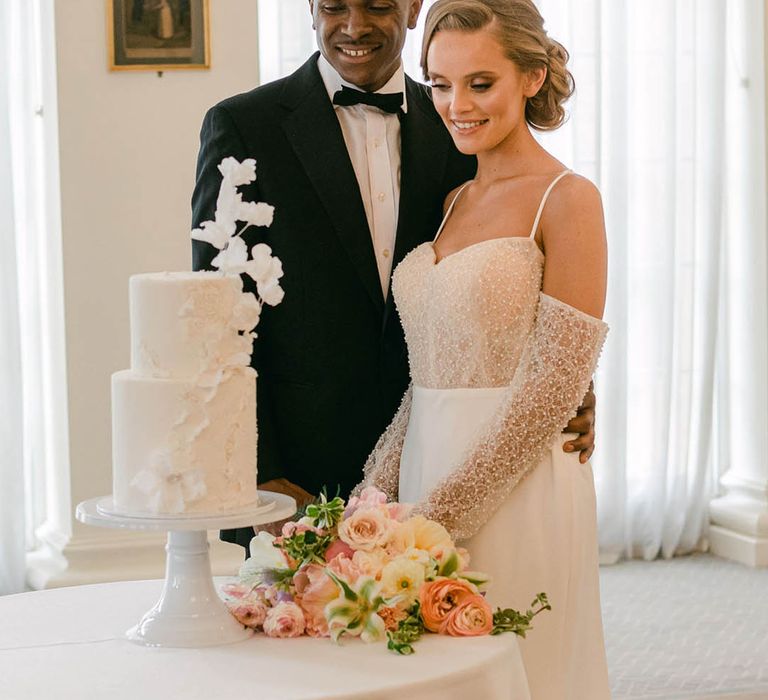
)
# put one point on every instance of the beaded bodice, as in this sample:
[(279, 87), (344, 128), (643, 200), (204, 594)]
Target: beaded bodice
[(478, 319), (467, 317)]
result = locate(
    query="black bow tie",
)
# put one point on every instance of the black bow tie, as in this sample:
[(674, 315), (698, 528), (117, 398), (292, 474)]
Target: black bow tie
[(391, 102)]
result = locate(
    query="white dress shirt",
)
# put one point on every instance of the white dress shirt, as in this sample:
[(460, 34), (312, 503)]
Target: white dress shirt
[(373, 142)]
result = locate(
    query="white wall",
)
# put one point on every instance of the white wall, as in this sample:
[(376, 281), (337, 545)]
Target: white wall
[(128, 143)]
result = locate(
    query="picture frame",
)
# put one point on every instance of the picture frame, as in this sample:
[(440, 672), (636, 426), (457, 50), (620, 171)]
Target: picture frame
[(158, 35)]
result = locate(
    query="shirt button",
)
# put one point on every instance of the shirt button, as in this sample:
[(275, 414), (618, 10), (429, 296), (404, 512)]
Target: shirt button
[(385, 252), (376, 143), (382, 196)]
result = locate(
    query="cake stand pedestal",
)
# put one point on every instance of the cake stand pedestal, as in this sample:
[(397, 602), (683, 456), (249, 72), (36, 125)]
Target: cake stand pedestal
[(190, 612)]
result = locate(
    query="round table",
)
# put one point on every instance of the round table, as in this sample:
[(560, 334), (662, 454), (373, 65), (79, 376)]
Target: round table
[(69, 643)]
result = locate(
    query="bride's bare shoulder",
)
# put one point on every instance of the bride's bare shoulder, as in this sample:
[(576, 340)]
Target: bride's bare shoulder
[(573, 196), (451, 196)]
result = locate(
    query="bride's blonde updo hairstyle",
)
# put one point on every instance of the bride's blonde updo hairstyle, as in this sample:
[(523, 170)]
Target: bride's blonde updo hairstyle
[(519, 28)]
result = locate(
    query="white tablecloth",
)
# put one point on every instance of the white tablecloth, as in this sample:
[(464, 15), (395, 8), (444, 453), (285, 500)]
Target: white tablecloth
[(67, 643)]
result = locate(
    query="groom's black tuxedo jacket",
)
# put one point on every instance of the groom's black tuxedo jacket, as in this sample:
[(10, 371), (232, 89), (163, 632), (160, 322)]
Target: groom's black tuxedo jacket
[(331, 358)]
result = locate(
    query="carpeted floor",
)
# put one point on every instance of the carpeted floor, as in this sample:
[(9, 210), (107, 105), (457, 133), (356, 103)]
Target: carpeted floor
[(691, 627)]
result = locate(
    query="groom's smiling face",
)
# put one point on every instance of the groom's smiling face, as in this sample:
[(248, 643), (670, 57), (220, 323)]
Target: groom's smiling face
[(363, 39)]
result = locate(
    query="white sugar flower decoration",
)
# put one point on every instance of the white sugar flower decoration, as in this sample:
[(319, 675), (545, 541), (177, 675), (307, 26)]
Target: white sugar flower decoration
[(233, 257), (256, 213), (236, 173), (169, 490), (247, 311)]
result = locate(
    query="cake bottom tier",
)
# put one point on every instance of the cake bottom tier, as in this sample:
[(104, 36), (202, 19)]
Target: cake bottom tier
[(181, 448)]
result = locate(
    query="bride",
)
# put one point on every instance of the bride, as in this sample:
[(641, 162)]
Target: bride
[(502, 315)]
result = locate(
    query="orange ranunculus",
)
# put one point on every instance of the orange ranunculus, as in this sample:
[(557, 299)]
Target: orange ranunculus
[(438, 599), (471, 618)]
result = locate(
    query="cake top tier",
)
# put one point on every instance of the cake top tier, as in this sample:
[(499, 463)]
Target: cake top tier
[(189, 324)]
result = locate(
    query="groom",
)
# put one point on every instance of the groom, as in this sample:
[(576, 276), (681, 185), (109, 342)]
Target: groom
[(357, 164)]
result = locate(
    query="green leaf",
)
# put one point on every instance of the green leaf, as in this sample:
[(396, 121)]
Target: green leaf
[(349, 594), (450, 565)]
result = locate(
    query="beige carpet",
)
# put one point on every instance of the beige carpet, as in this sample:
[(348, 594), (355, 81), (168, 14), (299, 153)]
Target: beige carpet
[(691, 627)]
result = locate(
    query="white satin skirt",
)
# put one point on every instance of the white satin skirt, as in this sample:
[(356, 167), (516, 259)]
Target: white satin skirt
[(542, 538)]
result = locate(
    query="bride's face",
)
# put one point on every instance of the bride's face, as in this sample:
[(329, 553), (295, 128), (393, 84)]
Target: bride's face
[(479, 93)]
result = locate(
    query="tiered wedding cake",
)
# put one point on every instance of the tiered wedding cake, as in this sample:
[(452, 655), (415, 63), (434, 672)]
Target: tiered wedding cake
[(184, 415)]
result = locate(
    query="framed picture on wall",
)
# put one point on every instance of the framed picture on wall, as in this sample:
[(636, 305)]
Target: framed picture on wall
[(158, 34)]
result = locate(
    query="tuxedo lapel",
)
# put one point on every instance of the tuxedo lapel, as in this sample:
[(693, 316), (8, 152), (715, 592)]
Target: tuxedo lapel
[(425, 144), (315, 135), (424, 147)]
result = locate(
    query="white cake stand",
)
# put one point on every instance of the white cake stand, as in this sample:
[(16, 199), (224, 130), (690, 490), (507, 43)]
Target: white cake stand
[(189, 612)]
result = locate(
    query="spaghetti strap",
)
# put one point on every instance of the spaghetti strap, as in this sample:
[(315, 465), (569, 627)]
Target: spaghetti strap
[(450, 209), (544, 201)]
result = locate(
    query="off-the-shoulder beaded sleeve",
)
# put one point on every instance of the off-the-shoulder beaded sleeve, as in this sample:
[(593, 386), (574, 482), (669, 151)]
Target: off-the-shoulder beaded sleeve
[(382, 469), (550, 381)]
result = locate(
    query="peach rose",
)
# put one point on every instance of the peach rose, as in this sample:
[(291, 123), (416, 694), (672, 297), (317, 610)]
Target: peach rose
[(284, 620), (471, 618), (365, 529), (438, 599)]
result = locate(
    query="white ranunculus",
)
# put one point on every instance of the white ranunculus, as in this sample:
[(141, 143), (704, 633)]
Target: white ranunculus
[(214, 232), (237, 173), (256, 213), (271, 294), (233, 258)]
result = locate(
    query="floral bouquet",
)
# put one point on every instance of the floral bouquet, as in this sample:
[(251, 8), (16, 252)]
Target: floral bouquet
[(366, 569)]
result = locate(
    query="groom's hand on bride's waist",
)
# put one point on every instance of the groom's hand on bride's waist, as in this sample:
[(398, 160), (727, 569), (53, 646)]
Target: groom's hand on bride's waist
[(583, 423)]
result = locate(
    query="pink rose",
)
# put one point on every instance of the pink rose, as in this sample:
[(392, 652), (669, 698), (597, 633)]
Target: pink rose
[(366, 529), (471, 618), (284, 620), (338, 548), (369, 497), (293, 528), (399, 511), (249, 611), (236, 590)]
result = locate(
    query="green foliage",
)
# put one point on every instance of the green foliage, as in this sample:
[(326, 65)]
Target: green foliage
[(510, 620), (408, 631), (306, 547), (326, 514), (450, 565)]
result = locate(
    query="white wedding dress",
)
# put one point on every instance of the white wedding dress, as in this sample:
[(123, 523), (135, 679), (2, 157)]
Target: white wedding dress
[(498, 369)]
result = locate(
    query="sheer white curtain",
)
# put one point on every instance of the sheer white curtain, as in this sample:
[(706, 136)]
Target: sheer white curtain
[(33, 423), (12, 539), (648, 126)]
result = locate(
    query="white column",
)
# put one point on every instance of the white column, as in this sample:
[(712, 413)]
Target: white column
[(739, 517)]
